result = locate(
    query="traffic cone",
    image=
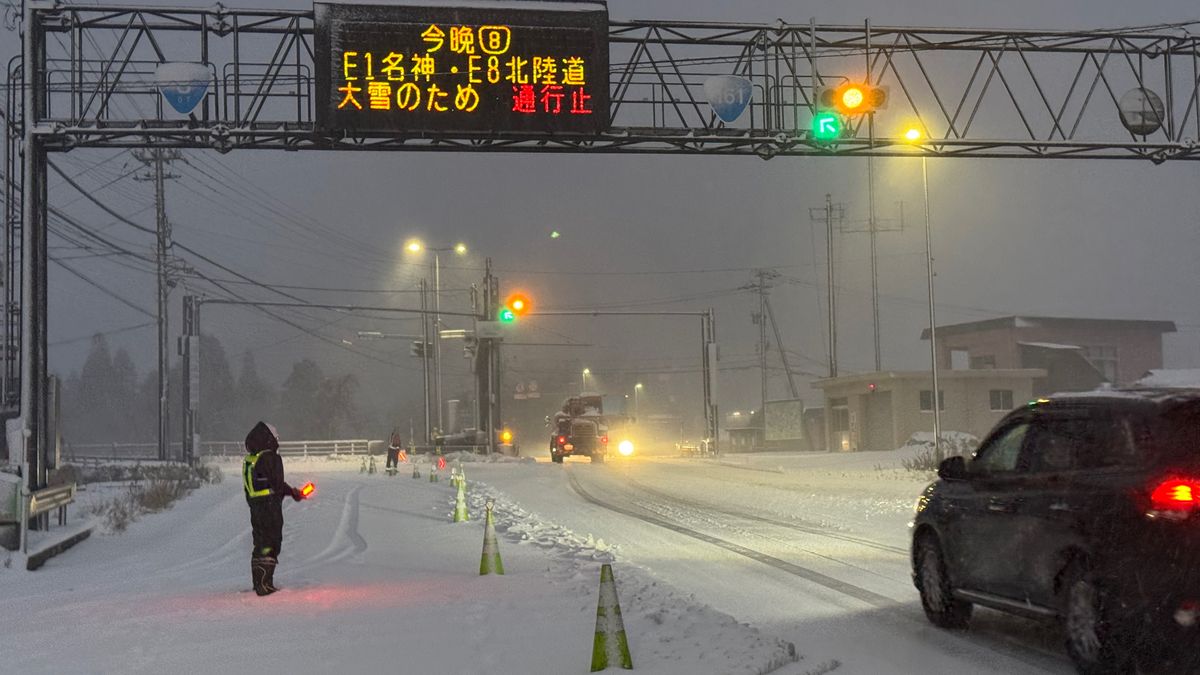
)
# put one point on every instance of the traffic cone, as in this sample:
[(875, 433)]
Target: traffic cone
[(362, 468), (371, 465), (433, 477), (416, 471), (490, 562), (611, 647), (460, 505)]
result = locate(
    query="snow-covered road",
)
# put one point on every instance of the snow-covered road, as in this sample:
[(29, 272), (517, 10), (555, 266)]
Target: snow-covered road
[(720, 565), (810, 548)]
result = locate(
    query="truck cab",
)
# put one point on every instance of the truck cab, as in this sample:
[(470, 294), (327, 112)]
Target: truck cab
[(579, 428)]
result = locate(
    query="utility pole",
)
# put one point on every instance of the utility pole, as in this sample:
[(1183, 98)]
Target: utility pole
[(425, 357), (827, 214), (155, 158), (787, 367), (762, 334)]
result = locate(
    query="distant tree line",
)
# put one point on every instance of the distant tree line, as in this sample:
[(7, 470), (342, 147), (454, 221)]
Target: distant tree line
[(107, 401)]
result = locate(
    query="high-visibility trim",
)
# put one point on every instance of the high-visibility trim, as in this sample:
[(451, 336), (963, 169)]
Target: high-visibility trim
[(248, 477)]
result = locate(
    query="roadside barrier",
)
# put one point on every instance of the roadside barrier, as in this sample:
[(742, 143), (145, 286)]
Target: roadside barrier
[(611, 647)]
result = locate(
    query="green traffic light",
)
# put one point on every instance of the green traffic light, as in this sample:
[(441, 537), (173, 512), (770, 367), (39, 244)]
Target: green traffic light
[(506, 315), (826, 126)]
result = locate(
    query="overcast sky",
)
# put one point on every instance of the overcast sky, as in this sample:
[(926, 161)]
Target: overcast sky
[(1091, 239)]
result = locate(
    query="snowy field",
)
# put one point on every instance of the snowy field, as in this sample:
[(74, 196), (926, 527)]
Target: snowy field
[(722, 567)]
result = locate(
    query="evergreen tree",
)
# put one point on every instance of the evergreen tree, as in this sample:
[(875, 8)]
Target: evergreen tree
[(299, 401), (217, 392), (254, 397), (94, 416)]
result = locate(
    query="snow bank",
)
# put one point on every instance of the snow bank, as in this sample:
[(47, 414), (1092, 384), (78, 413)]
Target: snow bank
[(665, 628)]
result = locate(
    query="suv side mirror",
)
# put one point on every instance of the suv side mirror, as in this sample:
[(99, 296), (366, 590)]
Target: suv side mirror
[(953, 468)]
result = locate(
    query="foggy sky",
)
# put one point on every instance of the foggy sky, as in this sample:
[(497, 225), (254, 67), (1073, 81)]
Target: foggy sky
[(1072, 238)]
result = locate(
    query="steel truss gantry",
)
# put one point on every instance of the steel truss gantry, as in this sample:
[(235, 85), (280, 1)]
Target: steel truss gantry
[(86, 78)]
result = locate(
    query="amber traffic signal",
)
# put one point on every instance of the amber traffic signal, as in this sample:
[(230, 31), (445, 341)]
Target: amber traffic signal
[(519, 304), (852, 98)]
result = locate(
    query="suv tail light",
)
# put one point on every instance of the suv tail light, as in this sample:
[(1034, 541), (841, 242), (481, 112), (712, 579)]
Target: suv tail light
[(604, 439), (562, 440), (1175, 498)]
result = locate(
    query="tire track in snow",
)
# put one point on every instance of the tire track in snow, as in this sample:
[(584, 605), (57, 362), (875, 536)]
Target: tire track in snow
[(807, 529), (345, 533), (863, 595), (897, 613)]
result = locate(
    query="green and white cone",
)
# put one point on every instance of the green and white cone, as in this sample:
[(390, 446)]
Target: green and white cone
[(362, 468), (433, 477), (490, 562), (460, 505), (611, 647), (416, 471), (371, 465)]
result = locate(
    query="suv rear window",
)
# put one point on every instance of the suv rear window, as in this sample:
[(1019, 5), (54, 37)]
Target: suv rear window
[(1063, 443), (1175, 434)]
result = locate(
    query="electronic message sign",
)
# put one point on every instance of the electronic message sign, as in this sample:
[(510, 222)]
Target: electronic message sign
[(524, 66)]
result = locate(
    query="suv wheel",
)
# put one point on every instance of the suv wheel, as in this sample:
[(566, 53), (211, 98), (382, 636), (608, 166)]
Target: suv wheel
[(1093, 643), (937, 598), (557, 459)]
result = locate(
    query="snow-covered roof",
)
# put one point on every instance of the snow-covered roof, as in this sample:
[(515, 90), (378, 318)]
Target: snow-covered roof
[(1166, 378), (1050, 345)]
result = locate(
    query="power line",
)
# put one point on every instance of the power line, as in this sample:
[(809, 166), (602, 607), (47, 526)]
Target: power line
[(103, 289)]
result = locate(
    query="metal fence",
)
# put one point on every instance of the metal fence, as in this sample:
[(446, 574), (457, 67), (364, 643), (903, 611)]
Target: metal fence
[(148, 452)]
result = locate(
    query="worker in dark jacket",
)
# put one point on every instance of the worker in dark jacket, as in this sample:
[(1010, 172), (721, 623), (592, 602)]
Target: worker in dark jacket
[(262, 477)]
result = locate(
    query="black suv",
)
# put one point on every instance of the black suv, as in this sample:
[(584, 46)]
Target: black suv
[(1081, 508)]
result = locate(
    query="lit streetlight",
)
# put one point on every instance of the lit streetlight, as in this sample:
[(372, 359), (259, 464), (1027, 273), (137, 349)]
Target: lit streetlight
[(417, 246), (636, 388), (914, 136), (583, 381)]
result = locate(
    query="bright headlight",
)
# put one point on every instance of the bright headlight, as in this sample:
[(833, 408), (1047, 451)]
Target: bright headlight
[(626, 448)]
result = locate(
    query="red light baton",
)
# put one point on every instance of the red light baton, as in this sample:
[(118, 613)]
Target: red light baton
[(307, 490)]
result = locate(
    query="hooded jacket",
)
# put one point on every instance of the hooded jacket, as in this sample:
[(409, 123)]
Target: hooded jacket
[(266, 471)]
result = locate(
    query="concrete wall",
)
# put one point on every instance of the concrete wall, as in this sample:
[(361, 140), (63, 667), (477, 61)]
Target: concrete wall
[(1139, 348), (967, 395)]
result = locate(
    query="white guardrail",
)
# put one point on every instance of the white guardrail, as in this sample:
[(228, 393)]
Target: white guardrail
[(75, 452)]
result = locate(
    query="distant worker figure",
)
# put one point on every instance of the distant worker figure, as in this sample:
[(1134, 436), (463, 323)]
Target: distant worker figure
[(262, 478), (395, 446)]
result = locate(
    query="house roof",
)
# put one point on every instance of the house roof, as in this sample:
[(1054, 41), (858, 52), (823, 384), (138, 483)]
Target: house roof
[(1024, 321)]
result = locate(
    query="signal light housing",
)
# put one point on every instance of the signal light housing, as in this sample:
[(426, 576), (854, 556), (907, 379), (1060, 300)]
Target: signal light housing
[(852, 98), (519, 303)]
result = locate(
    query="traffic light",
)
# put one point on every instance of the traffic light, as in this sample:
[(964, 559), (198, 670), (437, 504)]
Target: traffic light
[(417, 349), (852, 98), (826, 126), (506, 436), (519, 304)]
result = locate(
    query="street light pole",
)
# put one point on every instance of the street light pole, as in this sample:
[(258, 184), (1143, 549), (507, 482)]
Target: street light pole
[(933, 362), (636, 388), (437, 338)]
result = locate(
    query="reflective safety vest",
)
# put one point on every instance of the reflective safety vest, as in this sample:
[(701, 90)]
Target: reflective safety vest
[(248, 477)]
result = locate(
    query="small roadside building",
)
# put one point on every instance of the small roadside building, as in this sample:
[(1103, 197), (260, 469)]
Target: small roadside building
[(882, 410)]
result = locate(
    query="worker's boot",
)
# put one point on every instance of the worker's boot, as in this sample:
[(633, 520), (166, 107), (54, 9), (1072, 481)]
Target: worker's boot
[(262, 571), (273, 561)]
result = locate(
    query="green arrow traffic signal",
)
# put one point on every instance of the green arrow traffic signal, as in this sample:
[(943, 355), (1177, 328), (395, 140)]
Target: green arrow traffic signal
[(826, 126), (506, 315)]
